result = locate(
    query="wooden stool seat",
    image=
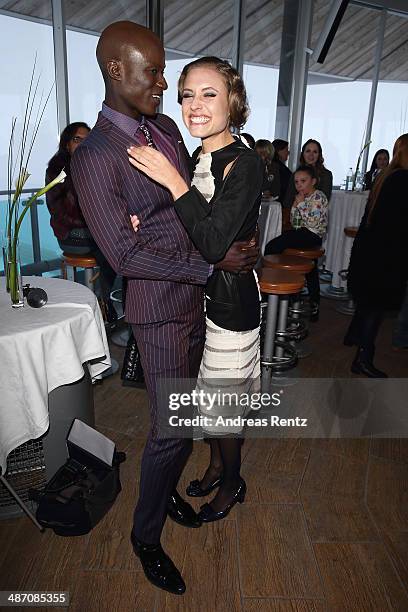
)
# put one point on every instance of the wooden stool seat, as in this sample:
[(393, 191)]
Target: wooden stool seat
[(288, 263), (280, 282), (307, 253), (71, 261), (351, 232), (79, 261)]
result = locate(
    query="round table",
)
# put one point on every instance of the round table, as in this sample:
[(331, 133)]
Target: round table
[(43, 382), (346, 208), (270, 221)]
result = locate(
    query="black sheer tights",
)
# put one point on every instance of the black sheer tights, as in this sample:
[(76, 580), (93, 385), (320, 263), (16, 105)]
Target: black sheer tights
[(226, 461)]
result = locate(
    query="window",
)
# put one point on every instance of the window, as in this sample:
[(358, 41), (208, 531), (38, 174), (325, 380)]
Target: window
[(338, 91), (26, 38), (263, 34), (391, 107)]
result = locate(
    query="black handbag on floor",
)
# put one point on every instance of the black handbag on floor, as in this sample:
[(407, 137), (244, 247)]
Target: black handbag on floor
[(80, 493)]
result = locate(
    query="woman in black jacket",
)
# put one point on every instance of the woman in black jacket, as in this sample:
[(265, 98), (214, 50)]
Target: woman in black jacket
[(378, 270), (271, 182), (380, 161), (221, 207)]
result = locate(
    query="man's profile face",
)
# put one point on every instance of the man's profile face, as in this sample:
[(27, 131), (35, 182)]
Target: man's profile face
[(143, 83)]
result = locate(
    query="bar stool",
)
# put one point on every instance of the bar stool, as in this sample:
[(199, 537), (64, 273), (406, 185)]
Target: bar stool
[(312, 254), (348, 307), (279, 285), (70, 262), (297, 329)]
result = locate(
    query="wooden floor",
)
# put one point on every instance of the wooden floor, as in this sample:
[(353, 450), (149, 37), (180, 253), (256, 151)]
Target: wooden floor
[(324, 525)]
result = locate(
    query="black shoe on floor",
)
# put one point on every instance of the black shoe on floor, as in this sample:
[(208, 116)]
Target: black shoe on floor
[(159, 569), (208, 515), (367, 369), (194, 489), (363, 364), (181, 512)]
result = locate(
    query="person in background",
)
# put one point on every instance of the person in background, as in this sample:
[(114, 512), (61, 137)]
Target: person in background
[(250, 140), (308, 217), (378, 270), (271, 183), (66, 219), (312, 155), (380, 161), (281, 157)]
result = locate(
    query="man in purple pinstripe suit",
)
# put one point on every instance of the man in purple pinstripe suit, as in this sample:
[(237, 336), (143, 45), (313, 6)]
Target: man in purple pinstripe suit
[(166, 274)]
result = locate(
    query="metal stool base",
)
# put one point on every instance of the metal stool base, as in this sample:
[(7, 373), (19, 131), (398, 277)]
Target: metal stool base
[(296, 331), (285, 379), (347, 309), (334, 293), (285, 362), (303, 350)]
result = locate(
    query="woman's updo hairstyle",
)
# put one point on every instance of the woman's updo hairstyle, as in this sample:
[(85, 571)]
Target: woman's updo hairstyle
[(237, 97)]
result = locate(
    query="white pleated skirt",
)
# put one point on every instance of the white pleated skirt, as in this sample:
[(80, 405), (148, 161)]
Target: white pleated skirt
[(229, 375)]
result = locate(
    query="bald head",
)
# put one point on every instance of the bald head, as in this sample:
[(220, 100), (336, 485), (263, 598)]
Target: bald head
[(131, 59), (120, 39)]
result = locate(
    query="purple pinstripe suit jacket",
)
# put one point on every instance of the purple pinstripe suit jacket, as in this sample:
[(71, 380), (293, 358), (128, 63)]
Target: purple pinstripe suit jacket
[(166, 273)]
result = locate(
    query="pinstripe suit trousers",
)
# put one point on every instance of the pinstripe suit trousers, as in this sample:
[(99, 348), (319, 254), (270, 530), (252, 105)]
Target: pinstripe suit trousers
[(168, 349)]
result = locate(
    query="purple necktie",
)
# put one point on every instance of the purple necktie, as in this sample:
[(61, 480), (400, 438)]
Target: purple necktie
[(146, 132)]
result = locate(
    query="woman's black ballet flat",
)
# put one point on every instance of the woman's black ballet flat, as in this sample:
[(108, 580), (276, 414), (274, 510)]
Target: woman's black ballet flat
[(194, 489), (208, 515)]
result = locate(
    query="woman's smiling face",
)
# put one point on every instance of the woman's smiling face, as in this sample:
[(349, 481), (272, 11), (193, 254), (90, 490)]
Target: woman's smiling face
[(205, 104), (311, 154)]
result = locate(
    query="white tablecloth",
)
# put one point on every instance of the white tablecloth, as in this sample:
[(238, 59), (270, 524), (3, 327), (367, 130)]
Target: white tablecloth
[(42, 349), (270, 221), (345, 209)]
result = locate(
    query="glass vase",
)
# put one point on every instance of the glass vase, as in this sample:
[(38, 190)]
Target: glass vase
[(6, 252), (15, 281)]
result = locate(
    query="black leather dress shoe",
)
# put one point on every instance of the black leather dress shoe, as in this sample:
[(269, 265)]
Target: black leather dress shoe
[(208, 515), (194, 489), (181, 512), (367, 369), (363, 364), (159, 569)]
